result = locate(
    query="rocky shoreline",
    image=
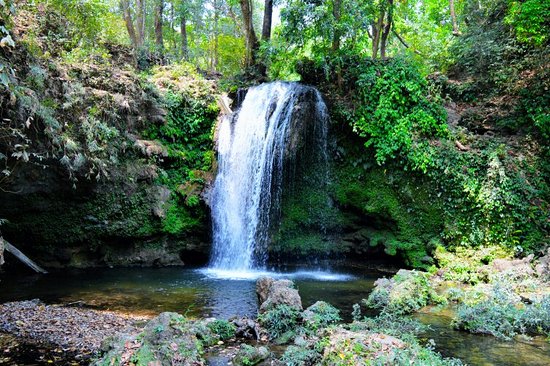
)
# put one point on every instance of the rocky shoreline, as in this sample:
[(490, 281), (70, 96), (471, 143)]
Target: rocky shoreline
[(283, 334)]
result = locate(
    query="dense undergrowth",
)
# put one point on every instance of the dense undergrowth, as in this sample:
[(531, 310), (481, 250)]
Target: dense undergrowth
[(127, 152), (478, 169)]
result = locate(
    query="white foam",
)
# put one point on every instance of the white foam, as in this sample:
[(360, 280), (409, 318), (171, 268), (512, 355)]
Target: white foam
[(255, 274)]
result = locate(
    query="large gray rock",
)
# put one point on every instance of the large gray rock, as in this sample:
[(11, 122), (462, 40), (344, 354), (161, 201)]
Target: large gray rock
[(272, 293)]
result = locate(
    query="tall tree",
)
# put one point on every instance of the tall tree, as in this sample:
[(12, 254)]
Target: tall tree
[(127, 14), (251, 40), (456, 31), (159, 10), (140, 19), (216, 36), (337, 14), (381, 23), (387, 27), (268, 18), (183, 30)]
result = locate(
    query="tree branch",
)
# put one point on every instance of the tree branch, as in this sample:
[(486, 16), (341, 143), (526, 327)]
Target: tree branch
[(404, 43)]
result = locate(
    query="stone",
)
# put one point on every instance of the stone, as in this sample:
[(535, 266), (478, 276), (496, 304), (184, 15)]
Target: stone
[(168, 339), (262, 288), (542, 268), (274, 293), (246, 328), (372, 346), (249, 355)]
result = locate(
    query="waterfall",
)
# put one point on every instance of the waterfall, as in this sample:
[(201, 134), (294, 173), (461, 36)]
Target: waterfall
[(253, 146)]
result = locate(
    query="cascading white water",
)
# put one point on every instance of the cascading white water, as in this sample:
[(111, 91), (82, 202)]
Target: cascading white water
[(251, 149)]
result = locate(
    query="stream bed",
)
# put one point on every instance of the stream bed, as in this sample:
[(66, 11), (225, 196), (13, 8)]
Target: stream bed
[(200, 293)]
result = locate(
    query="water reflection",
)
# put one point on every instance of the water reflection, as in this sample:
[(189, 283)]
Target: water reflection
[(475, 349)]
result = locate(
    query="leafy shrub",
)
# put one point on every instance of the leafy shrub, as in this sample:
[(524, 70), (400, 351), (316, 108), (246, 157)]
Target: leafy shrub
[(300, 356), (530, 20), (503, 315), (415, 356), (406, 292), (389, 323), (396, 113), (280, 320), (222, 328), (320, 315)]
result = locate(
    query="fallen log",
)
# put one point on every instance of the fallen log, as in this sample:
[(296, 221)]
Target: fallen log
[(22, 257)]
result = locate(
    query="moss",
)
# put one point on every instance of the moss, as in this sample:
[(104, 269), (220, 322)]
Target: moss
[(180, 219), (406, 292), (403, 213)]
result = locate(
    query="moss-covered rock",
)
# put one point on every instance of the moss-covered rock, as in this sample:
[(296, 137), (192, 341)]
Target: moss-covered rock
[(250, 356), (404, 293)]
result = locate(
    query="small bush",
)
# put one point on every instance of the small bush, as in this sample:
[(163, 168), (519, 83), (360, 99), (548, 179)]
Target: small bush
[(223, 329), (389, 323), (280, 320), (406, 292), (503, 315), (320, 315), (300, 356)]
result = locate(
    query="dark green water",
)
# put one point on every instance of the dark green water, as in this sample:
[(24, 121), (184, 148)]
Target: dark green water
[(192, 292)]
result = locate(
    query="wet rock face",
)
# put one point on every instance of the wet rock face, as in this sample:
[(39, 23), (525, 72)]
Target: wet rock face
[(272, 293)]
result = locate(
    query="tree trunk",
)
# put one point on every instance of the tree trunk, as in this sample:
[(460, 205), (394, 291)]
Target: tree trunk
[(183, 31), (140, 23), (268, 16), (184, 45), (158, 29), (337, 13), (376, 33), (22, 257), (456, 31), (250, 34), (125, 6), (386, 32), (216, 40)]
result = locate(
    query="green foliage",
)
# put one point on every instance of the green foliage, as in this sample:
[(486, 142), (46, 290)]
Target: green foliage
[(465, 264), (530, 20), (396, 114), (300, 356), (404, 293), (503, 315), (320, 315), (222, 328), (404, 213), (392, 324), (280, 320), (180, 219), (186, 134)]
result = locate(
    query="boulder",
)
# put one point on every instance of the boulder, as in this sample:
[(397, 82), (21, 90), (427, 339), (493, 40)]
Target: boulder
[(272, 293), (262, 288), (249, 356), (360, 348), (246, 328), (542, 268)]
